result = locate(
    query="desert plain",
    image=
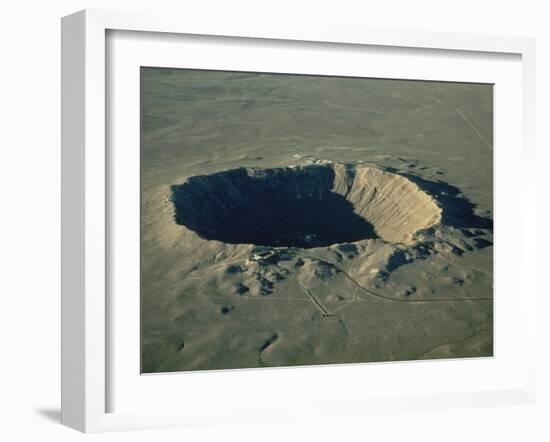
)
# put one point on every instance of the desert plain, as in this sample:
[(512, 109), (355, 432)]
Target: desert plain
[(292, 220)]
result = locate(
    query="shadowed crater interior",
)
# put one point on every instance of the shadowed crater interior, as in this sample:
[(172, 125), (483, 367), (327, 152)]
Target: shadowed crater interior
[(302, 206)]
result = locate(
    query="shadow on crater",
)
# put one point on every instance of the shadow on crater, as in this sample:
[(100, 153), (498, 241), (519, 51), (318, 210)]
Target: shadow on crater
[(283, 207), (458, 211)]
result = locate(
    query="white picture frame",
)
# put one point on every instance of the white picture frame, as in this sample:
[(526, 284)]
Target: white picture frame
[(85, 209)]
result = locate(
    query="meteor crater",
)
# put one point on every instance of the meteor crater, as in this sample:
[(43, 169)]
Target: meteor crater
[(304, 206)]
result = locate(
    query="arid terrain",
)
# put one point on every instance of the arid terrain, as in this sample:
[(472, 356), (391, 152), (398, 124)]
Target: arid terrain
[(295, 220)]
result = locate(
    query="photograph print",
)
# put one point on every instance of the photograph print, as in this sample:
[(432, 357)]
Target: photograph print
[(299, 220)]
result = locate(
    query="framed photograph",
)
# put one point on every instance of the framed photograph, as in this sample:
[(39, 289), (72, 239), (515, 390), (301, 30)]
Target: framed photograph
[(267, 222)]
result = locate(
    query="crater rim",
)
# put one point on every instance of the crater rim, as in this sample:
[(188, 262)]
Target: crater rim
[(283, 206)]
